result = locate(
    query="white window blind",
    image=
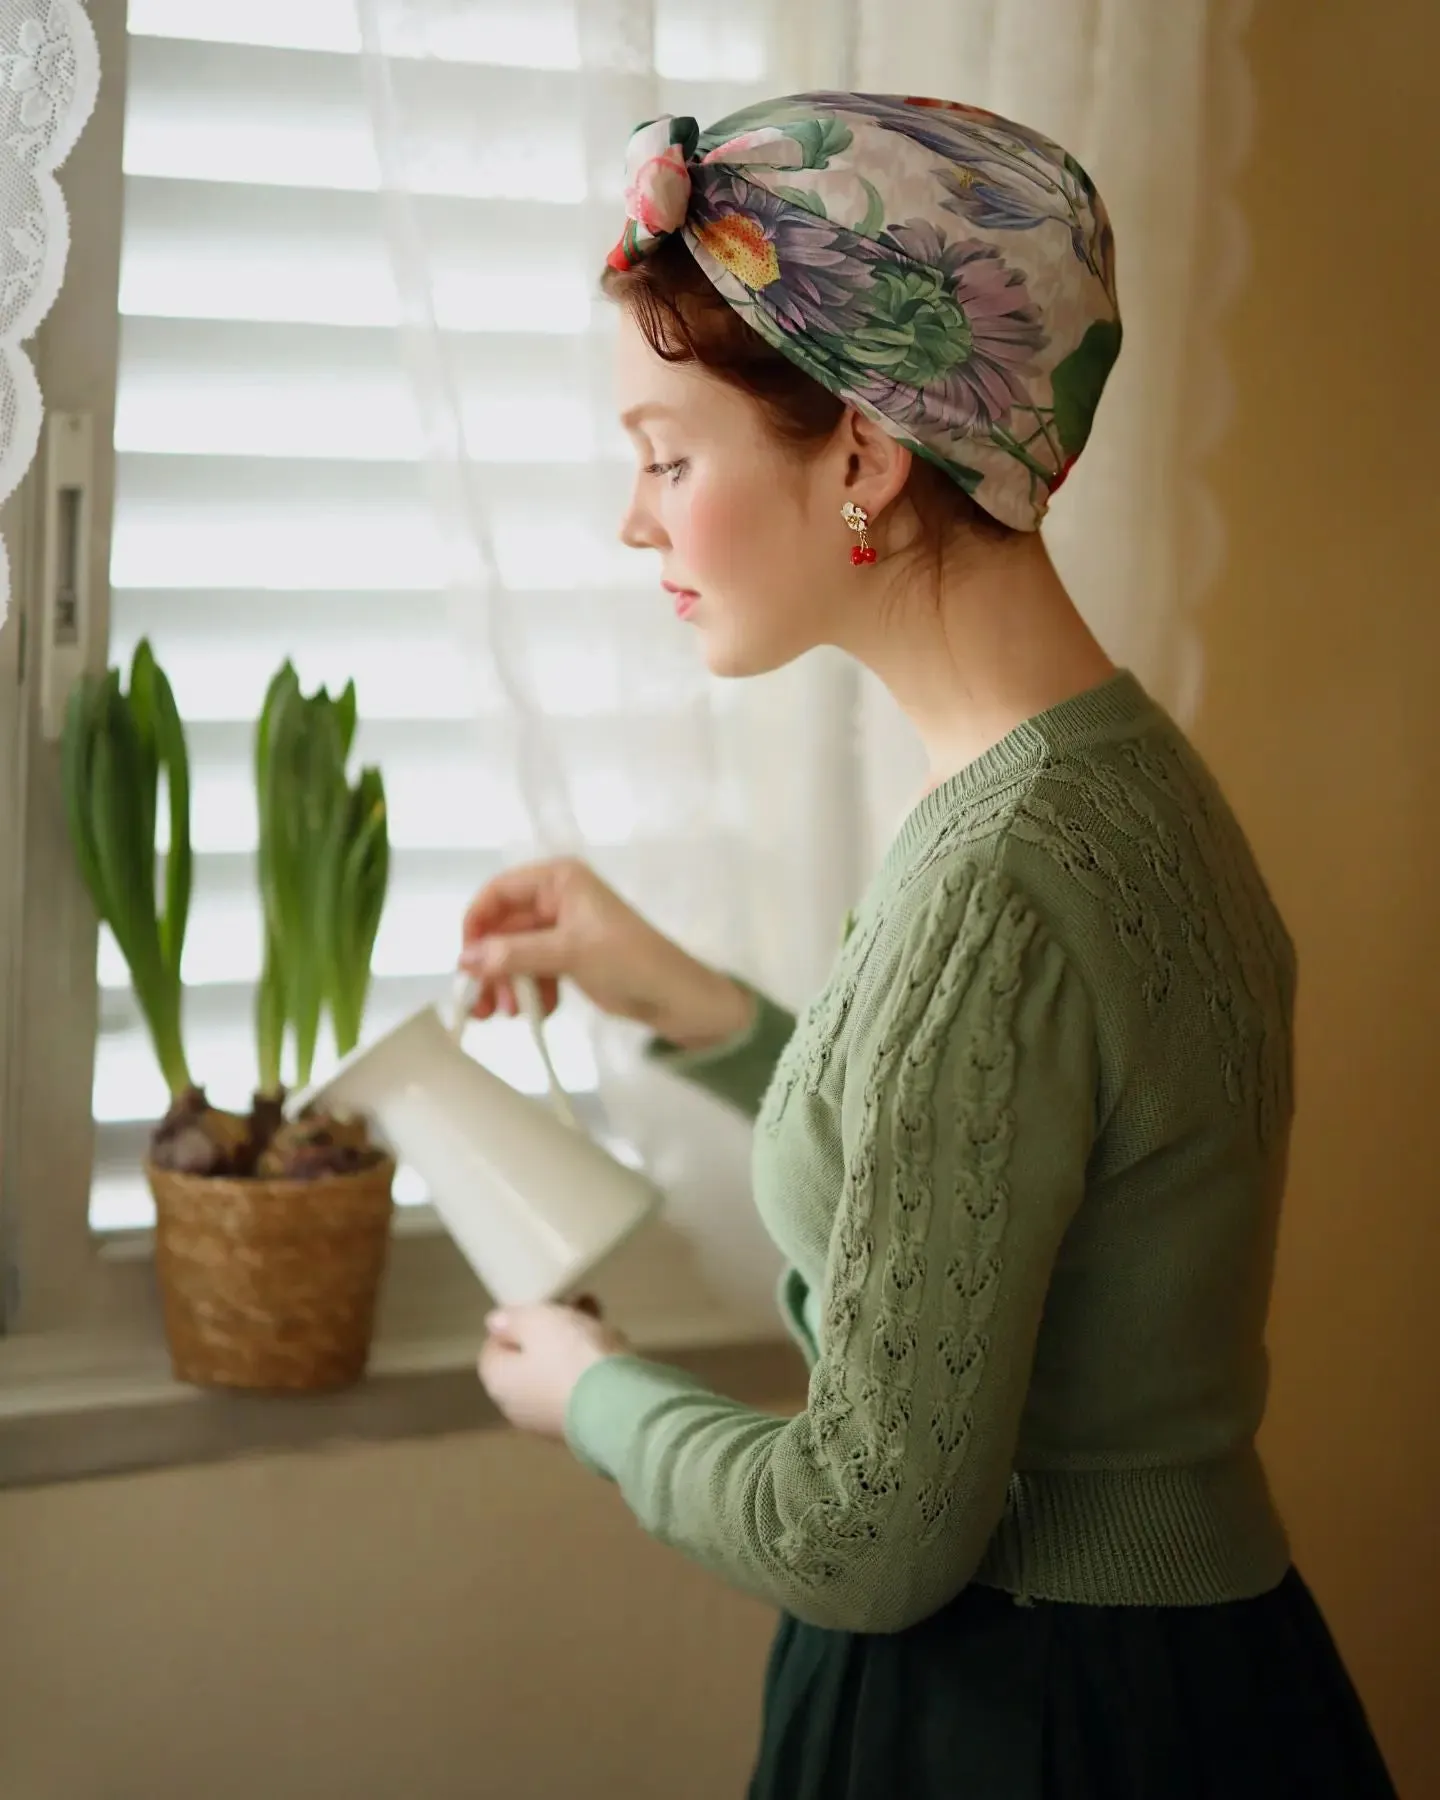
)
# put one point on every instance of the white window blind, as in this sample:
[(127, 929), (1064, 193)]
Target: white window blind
[(269, 491)]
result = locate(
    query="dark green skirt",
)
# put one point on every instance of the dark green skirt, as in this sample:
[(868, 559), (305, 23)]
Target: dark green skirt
[(991, 1700)]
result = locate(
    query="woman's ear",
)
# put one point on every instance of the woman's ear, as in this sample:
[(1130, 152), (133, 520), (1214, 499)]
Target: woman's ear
[(877, 466)]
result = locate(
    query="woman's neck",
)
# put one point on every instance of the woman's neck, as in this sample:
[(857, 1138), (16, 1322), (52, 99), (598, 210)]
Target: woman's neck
[(1000, 642)]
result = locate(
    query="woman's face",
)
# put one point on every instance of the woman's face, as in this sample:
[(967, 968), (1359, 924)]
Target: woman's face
[(753, 549)]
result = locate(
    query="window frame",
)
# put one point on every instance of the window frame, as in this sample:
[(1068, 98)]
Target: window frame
[(85, 1385), (51, 1006)]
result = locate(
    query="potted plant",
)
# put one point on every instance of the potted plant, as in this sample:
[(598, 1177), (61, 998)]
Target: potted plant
[(271, 1236)]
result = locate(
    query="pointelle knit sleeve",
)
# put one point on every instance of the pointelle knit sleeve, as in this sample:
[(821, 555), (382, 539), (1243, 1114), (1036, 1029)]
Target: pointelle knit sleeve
[(965, 1152)]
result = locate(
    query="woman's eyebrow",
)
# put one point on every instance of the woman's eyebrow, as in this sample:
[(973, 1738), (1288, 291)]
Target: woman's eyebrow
[(647, 409)]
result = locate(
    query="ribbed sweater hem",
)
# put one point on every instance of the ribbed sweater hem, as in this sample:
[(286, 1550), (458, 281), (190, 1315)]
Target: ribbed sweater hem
[(1190, 1536)]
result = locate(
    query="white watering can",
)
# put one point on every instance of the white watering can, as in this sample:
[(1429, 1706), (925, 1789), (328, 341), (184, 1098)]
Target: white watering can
[(532, 1201)]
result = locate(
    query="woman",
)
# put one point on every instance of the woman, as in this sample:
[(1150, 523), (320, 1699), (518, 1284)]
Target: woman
[(1024, 1154)]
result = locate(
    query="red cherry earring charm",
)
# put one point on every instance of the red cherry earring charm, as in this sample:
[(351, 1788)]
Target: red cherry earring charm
[(858, 519)]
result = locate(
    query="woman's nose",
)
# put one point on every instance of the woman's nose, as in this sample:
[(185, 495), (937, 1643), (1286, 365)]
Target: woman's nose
[(639, 529)]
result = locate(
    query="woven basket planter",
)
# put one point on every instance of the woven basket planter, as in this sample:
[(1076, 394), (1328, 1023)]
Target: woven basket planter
[(271, 1284)]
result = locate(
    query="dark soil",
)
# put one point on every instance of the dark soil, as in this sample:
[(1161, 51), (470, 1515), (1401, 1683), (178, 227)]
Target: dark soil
[(195, 1138)]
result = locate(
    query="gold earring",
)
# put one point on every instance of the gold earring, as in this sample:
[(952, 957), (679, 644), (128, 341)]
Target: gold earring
[(858, 519)]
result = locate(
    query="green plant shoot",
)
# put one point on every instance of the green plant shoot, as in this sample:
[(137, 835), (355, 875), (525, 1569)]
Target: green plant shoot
[(114, 749), (324, 870)]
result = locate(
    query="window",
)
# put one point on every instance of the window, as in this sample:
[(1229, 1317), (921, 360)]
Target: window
[(258, 493)]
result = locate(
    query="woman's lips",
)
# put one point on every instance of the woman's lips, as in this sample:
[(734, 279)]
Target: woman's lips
[(685, 598)]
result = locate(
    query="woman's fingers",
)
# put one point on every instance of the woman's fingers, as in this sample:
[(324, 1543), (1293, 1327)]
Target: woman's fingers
[(491, 919), (501, 1333), (499, 996), (515, 894), (498, 956), (512, 891), (501, 924)]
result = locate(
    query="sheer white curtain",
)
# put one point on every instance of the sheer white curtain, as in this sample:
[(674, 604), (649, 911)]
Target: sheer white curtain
[(1155, 101), (729, 816)]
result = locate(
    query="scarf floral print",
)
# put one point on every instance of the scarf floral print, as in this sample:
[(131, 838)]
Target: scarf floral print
[(949, 273)]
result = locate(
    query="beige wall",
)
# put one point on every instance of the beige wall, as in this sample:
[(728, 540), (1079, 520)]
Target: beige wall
[(476, 1616), (442, 1621), (1322, 649)]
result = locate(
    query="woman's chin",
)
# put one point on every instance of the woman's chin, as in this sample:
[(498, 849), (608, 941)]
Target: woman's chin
[(721, 661), (731, 657)]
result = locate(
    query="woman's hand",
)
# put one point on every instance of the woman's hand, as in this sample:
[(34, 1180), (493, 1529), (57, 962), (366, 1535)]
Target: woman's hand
[(558, 918), (534, 1357)]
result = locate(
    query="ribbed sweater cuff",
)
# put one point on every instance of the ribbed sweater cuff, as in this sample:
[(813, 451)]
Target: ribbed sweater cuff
[(739, 1068), (611, 1402)]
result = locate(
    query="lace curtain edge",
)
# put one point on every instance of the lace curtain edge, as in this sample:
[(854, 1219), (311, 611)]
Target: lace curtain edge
[(50, 77)]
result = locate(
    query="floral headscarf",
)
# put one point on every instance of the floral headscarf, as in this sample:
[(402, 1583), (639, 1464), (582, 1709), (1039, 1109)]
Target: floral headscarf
[(947, 272)]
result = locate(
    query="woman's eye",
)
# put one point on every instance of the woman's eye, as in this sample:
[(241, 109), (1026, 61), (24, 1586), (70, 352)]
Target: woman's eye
[(673, 469)]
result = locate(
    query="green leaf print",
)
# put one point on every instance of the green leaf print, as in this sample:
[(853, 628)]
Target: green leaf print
[(1083, 181), (969, 479), (748, 118), (804, 197), (1078, 380), (912, 329), (874, 220), (819, 140)]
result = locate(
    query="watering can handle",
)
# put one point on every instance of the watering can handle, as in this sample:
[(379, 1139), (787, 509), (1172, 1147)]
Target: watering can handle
[(462, 1002), (464, 992)]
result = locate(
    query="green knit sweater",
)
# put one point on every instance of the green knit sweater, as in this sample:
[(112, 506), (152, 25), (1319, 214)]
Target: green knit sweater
[(1023, 1156)]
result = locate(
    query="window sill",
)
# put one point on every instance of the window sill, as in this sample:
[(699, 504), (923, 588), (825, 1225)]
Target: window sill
[(59, 1425), (76, 1405)]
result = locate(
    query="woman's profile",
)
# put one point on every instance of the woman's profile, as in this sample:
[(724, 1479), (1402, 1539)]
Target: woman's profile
[(1024, 1153)]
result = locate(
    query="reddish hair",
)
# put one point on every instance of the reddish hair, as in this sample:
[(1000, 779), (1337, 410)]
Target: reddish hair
[(684, 320)]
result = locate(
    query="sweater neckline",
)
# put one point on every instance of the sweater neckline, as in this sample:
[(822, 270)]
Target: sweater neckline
[(1118, 705)]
